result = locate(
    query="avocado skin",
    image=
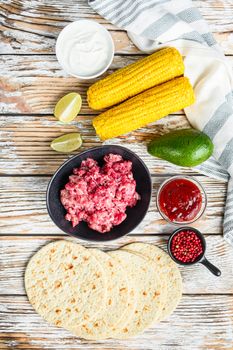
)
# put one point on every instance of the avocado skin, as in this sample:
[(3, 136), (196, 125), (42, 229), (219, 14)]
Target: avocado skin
[(186, 147)]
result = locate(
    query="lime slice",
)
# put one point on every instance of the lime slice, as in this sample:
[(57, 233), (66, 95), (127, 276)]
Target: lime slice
[(67, 143), (68, 107)]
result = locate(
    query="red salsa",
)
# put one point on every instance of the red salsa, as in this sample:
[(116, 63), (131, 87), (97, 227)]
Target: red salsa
[(186, 246), (180, 200)]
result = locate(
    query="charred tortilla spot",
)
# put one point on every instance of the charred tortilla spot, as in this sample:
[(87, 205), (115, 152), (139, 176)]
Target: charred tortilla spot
[(58, 284)]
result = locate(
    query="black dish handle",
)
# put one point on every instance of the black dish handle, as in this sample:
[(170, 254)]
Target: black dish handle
[(215, 271)]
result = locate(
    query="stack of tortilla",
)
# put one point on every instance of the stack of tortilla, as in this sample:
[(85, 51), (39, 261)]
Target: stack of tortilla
[(98, 295)]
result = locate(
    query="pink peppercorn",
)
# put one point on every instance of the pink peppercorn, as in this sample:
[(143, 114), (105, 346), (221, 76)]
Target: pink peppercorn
[(186, 246)]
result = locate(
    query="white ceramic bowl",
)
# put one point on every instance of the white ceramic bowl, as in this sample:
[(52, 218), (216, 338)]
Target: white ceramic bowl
[(66, 40)]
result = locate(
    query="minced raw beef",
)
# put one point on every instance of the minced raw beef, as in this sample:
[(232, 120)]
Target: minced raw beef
[(98, 195)]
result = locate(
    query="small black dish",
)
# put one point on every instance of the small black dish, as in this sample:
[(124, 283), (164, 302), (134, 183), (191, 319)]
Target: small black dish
[(134, 215), (200, 259)]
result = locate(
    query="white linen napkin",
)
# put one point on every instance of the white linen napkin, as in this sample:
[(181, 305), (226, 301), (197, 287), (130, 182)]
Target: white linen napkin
[(153, 24)]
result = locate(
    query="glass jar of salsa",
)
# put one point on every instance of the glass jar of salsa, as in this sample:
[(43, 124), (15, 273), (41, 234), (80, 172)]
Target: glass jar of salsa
[(181, 200)]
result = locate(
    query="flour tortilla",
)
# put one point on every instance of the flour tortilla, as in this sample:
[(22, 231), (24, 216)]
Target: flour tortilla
[(169, 270), (65, 284), (148, 290), (118, 302)]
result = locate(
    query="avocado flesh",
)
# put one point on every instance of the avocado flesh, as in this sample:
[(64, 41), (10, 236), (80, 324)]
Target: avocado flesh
[(187, 147)]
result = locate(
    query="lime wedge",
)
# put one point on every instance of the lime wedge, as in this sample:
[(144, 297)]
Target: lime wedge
[(67, 143), (68, 107)]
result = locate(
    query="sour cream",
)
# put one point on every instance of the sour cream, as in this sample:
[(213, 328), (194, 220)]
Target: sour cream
[(85, 49)]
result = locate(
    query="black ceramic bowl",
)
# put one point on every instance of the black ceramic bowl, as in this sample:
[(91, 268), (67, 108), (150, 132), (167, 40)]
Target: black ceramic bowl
[(134, 215)]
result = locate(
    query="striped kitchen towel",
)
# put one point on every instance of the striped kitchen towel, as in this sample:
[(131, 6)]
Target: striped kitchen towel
[(153, 24)]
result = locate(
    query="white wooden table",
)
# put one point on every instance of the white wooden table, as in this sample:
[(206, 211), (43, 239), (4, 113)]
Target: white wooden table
[(31, 83)]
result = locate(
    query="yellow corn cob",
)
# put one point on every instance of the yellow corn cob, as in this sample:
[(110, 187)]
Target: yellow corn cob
[(129, 81), (144, 108)]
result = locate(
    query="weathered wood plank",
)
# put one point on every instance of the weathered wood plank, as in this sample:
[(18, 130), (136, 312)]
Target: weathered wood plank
[(25, 143), (15, 253), (33, 84), (23, 208), (32, 27), (199, 323)]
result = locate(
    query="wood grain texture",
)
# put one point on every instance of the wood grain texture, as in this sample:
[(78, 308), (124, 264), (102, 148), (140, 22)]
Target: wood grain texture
[(25, 143), (33, 84), (32, 26), (23, 208), (199, 322), (15, 253), (37, 85)]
